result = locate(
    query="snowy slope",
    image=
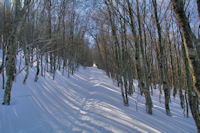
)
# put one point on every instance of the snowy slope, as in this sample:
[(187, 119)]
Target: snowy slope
[(85, 102)]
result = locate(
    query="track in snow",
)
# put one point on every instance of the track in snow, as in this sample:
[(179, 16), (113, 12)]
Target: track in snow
[(85, 102)]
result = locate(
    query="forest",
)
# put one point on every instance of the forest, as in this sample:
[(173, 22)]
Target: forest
[(156, 42)]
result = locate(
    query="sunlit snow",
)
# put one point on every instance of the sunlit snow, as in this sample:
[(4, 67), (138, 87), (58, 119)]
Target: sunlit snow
[(85, 102)]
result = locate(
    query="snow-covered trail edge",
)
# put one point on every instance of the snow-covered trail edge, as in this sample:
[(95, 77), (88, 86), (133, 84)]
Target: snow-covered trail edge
[(85, 102)]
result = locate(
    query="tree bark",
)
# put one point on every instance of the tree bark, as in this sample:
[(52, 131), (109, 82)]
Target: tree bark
[(191, 60), (161, 61), (11, 56)]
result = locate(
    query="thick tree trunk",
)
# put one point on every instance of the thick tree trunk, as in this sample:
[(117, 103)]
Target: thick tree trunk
[(11, 56), (193, 99), (189, 40), (10, 69), (191, 59)]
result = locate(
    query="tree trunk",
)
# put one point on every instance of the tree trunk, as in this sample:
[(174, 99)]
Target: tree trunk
[(145, 75), (189, 40), (161, 61), (11, 55), (193, 99), (191, 60)]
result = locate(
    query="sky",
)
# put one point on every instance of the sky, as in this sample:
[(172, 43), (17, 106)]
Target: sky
[(6, 2)]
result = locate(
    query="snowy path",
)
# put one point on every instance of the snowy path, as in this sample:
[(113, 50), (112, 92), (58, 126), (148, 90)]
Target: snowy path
[(85, 102)]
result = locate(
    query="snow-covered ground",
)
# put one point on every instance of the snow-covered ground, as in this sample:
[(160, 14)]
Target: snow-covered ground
[(85, 102)]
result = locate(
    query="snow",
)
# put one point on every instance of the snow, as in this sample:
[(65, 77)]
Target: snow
[(94, 65), (88, 101)]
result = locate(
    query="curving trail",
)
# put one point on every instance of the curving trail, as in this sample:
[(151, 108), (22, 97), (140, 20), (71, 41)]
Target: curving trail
[(85, 102)]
